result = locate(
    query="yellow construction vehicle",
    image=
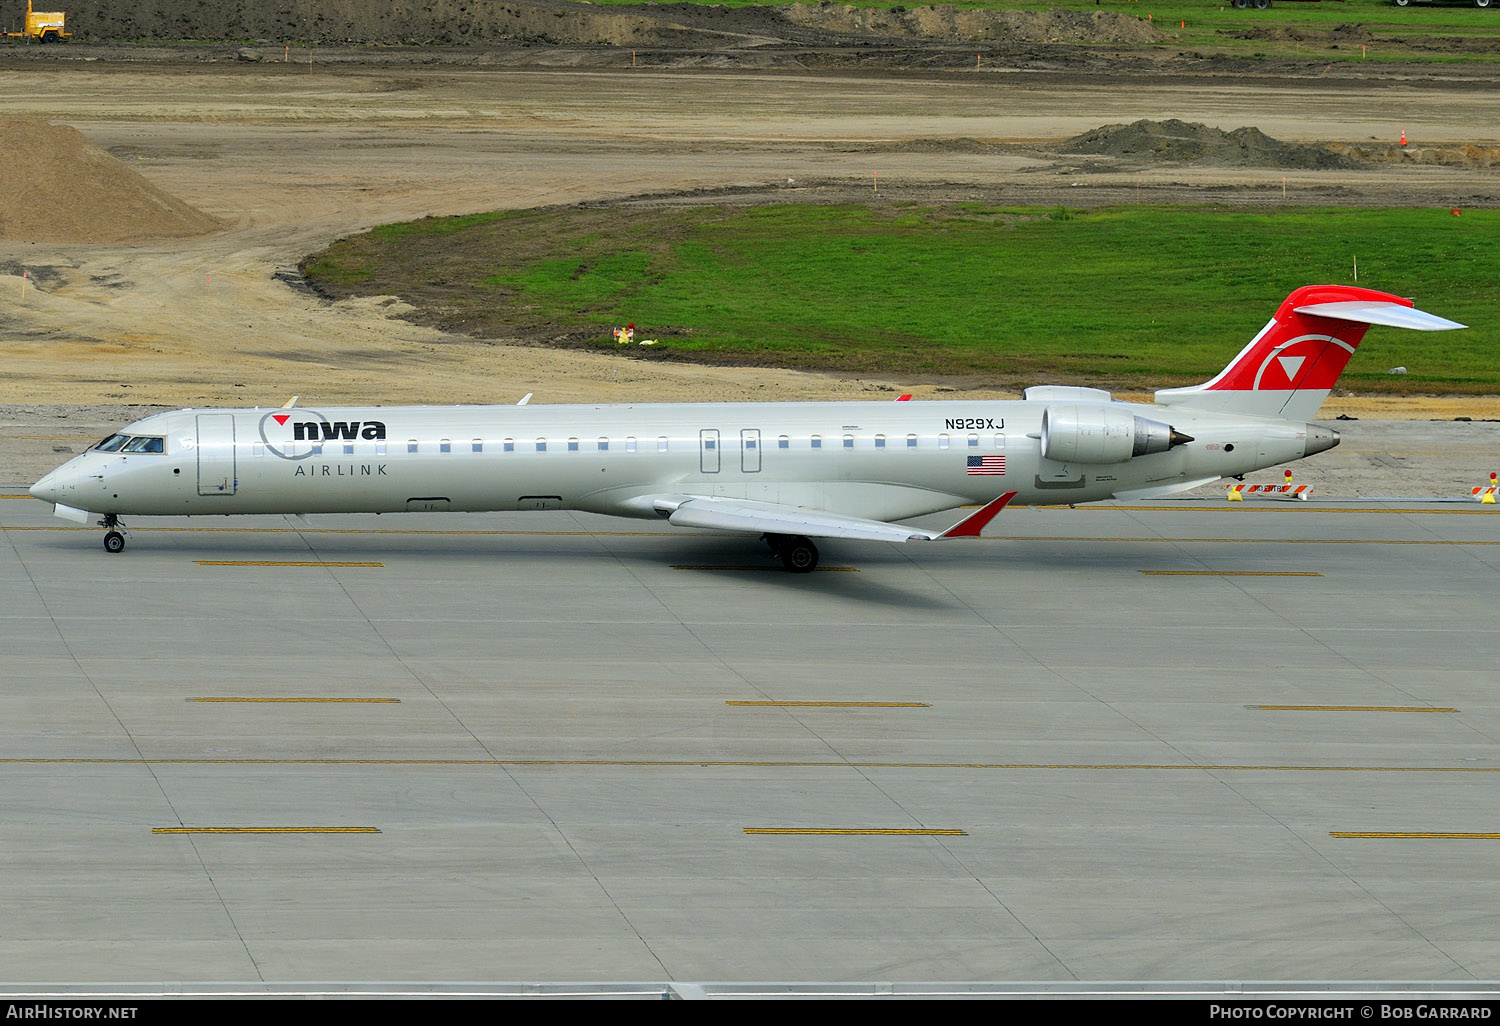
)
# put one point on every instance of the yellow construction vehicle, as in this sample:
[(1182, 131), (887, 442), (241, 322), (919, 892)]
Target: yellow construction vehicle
[(43, 27)]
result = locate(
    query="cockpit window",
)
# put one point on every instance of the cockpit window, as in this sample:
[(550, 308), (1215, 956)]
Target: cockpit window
[(145, 443), (112, 443)]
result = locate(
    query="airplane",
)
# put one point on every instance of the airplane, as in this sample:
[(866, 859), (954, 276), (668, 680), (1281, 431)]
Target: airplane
[(789, 472)]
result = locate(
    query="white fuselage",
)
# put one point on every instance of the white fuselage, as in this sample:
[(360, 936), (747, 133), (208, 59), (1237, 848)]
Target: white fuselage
[(879, 460)]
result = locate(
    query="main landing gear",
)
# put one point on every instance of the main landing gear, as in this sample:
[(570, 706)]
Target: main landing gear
[(796, 553), (114, 533)]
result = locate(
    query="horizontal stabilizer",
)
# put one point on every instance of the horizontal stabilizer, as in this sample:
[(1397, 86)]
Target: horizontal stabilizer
[(1389, 314)]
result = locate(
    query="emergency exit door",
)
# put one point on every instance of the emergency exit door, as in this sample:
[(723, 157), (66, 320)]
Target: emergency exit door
[(708, 451), (750, 451)]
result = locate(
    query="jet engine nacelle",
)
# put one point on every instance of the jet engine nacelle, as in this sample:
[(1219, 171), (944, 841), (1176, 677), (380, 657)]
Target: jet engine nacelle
[(1102, 434)]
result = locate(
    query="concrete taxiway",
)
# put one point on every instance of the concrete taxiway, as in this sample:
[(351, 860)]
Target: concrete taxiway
[(1184, 741)]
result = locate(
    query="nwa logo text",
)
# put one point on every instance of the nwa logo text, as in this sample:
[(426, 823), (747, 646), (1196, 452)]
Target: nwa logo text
[(310, 426)]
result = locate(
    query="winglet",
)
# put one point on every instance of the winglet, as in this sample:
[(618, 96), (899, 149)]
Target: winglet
[(290, 402), (971, 525)]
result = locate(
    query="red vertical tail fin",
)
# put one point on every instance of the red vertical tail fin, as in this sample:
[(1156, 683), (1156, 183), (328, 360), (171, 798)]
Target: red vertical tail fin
[(1292, 365)]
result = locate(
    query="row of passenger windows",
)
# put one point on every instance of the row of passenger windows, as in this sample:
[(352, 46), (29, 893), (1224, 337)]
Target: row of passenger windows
[(630, 444)]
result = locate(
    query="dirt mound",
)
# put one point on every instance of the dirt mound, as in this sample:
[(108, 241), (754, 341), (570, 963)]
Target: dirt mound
[(950, 23), (63, 188), (433, 23), (1456, 155), (1180, 142), (1349, 34), (488, 22)]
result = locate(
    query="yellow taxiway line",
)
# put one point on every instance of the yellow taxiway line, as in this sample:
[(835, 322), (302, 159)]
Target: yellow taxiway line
[(278, 562), (336, 701), (841, 705), (264, 830), (858, 831)]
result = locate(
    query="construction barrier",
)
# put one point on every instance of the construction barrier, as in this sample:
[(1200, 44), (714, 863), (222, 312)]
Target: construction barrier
[(1238, 491)]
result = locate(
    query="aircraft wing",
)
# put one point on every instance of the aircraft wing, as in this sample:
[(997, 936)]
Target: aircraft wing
[(750, 517)]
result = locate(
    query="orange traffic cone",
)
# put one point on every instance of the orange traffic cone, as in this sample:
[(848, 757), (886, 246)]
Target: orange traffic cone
[(1403, 137)]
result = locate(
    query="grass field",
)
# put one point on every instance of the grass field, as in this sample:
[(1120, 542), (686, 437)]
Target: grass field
[(1124, 297), (1216, 26)]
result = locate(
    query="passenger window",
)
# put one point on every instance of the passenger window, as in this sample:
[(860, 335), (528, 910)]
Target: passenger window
[(257, 450), (880, 441), (509, 445), (942, 441), (999, 441), (973, 441), (348, 448), (411, 445), (661, 444), (541, 445), (604, 445), (479, 445), (572, 445), (911, 441), (848, 441), (445, 446), (817, 441), (380, 448), (630, 444), (783, 442), (317, 449)]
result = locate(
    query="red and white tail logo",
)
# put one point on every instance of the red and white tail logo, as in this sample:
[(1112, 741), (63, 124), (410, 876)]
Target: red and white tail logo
[(1290, 367)]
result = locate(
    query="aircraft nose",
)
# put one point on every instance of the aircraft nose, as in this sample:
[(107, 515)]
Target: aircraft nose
[(49, 488), (63, 485)]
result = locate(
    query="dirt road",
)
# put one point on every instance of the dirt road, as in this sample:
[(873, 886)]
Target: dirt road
[(290, 156)]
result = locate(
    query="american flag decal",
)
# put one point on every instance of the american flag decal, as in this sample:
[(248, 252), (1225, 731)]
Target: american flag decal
[(985, 466)]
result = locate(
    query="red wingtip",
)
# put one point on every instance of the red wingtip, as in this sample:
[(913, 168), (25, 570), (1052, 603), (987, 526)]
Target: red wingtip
[(971, 525), (904, 398)]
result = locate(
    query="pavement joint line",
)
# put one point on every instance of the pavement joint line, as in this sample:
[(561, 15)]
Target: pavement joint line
[(265, 830), (750, 764)]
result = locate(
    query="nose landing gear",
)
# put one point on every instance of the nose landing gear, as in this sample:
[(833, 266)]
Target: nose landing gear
[(114, 533)]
